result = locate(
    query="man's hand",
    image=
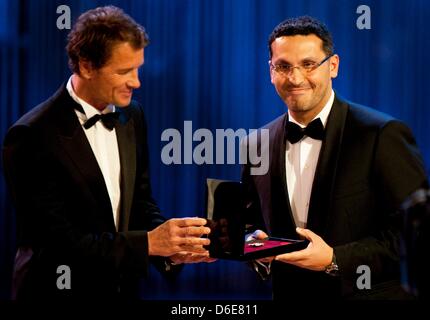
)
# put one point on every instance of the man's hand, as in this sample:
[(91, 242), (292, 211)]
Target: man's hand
[(178, 235), (187, 257), (316, 256)]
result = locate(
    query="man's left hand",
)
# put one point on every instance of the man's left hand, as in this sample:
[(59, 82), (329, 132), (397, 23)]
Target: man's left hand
[(189, 257), (316, 256)]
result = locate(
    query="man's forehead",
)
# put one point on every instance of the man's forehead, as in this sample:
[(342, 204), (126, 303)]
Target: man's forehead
[(125, 49), (297, 41), (125, 54), (297, 45)]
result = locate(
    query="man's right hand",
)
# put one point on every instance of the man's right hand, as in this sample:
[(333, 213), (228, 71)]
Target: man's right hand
[(178, 235)]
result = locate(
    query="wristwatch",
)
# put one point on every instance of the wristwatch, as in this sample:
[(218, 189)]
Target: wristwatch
[(332, 269)]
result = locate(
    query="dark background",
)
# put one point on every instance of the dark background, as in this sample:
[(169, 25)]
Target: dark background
[(207, 62)]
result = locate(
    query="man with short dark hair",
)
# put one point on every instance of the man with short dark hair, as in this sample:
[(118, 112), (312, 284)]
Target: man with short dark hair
[(338, 173), (77, 169)]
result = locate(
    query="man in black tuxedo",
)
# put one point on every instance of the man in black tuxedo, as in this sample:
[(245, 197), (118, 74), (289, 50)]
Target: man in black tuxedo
[(414, 242), (77, 169), (337, 183)]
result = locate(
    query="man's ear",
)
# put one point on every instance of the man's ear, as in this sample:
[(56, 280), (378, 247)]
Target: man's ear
[(334, 66), (86, 69), (272, 80)]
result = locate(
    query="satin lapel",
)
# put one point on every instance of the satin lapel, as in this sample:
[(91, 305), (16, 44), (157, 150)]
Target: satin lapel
[(74, 142), (325, 174), (127, 152), (282, 218)]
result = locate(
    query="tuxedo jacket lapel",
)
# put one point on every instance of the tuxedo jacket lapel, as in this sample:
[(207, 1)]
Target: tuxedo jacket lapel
[(73, 141), (325, 174), (282, 223), (126, 141)]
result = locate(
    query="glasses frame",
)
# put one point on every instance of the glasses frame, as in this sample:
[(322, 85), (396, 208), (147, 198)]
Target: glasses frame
[(301, 69)]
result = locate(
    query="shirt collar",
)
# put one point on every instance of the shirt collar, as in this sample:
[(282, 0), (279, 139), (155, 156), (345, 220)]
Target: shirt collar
[(323, 114), (88, 109)]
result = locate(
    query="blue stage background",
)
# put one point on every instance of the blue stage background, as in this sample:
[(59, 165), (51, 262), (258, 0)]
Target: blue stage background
[(207, 62)]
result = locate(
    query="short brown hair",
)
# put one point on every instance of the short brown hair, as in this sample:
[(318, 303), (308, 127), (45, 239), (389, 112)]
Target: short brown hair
[(303, 25), (97, 31)]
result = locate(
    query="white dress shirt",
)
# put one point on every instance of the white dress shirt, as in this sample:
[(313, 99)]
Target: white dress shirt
[(301, 159), (104, 144)]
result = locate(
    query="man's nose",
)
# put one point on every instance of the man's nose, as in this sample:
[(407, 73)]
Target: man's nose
[(295, 76), (134, 81)]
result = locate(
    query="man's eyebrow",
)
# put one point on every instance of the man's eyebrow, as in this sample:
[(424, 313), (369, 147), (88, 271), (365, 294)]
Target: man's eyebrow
[(282, 61), (125, 69), (306, 59), (130, 68), (313, 59)]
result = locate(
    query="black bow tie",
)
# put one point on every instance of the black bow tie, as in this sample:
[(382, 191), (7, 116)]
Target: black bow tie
[(108, 120), (295, 133)]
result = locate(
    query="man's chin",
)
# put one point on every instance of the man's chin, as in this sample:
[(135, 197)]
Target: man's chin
[(122, 103), (297, 105)]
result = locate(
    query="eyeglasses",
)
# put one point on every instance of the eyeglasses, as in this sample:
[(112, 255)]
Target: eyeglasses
[(305, 68)]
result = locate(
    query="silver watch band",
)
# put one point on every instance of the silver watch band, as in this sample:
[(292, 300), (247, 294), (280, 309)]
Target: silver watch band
[(332, 269)]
